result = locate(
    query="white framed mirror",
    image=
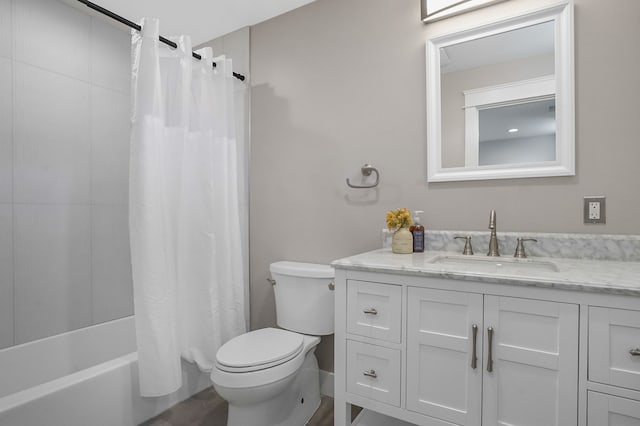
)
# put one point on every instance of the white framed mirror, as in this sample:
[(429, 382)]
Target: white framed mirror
[(500, 99)]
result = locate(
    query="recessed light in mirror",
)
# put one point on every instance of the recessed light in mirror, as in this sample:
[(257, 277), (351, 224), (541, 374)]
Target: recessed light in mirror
[(512, 130)]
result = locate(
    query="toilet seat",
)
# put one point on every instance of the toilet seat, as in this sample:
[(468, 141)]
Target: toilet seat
[(259, 350), (235, 379)]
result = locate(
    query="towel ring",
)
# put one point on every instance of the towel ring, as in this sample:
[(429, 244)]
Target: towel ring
[(366, 171)]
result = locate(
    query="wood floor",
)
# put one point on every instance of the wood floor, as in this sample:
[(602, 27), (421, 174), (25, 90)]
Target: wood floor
[(208, 409)]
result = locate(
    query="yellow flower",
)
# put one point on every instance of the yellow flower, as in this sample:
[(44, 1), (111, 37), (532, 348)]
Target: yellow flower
[(400, 218)]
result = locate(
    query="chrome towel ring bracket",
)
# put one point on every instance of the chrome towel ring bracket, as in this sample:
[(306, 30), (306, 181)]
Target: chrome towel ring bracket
[(366, 171)]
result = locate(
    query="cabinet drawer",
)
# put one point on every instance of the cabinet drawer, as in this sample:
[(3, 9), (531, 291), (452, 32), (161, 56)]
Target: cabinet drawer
[(614, 347), (608, 410), (374, 310), (373, 372)]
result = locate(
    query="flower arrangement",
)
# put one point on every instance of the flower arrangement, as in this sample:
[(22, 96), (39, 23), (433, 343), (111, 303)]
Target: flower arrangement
[(400, 218)]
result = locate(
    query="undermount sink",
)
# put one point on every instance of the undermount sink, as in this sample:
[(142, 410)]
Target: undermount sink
[(493, 264)]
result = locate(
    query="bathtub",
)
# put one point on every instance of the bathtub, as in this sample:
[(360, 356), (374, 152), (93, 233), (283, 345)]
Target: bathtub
[(84, 377)]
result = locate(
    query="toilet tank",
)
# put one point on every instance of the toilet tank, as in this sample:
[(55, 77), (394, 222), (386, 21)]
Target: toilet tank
[(304, 297)]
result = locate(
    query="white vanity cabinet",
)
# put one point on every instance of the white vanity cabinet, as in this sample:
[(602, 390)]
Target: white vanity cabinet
[(496, 360), (423, 348)]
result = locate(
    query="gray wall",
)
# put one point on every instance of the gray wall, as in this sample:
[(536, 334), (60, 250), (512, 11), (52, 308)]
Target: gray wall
[(454, 83), (64, 147), (338, 83)]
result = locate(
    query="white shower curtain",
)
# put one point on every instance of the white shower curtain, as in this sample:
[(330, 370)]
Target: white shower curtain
[(184, 218)]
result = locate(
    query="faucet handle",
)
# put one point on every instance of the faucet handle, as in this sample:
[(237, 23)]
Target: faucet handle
[(467, 245), (520, 247)]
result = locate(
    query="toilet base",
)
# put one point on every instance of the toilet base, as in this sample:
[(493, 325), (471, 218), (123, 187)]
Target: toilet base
[(294, 406)]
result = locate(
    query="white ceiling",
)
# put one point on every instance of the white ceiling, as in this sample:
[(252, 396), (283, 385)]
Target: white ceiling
[(202, 19)]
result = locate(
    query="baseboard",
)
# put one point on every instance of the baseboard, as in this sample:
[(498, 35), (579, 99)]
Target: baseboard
[(326, 383)]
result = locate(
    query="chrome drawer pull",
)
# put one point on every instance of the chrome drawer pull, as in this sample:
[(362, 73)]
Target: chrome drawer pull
[(370, 373), (635, 352), (371, 311)]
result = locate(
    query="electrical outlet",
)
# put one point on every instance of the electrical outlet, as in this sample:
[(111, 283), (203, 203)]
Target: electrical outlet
[(594, 209)]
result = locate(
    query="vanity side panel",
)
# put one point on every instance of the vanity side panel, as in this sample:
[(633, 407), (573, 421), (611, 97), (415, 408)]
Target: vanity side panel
[(342, 409)]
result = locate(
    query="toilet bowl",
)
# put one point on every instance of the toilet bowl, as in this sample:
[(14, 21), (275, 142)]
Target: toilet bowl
[(270, 376)]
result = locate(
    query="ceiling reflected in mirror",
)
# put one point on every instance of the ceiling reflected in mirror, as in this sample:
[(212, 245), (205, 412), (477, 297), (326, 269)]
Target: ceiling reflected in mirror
[(509, 46)]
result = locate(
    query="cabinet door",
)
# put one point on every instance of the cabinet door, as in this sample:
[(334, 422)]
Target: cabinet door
[(534, 349), (441, 382), (608, 410)]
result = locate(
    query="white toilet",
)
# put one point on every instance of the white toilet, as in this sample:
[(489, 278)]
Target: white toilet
[(270, 376)]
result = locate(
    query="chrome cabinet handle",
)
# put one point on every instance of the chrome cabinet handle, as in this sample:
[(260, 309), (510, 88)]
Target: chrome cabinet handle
[(370, 373), (635, 352), (371, 311), (490, 351), (474, 358)]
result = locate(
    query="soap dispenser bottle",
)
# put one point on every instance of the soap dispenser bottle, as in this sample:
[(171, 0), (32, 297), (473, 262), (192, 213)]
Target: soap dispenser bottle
[(418, 233)]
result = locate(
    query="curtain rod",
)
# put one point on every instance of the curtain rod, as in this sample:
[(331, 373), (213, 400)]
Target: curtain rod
[(137, 27)]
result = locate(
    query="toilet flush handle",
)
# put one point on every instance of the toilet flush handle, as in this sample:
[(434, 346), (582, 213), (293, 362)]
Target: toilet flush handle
[(272, 281)]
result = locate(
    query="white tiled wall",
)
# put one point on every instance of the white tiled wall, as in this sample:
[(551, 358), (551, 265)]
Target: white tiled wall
[(111, 296), (53, 36), (6, 276), (6, 35), (110, 58), (52, 276), (64, 145), (6, 129), (50, 137), (109, 146)]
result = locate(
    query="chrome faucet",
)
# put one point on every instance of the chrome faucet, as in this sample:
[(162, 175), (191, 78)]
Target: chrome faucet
[(493, 240)]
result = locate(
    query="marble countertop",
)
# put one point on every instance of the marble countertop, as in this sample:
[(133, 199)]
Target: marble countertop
[(604, 276)]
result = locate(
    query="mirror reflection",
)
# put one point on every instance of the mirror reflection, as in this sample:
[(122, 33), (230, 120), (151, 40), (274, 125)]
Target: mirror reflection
[(520, 133)]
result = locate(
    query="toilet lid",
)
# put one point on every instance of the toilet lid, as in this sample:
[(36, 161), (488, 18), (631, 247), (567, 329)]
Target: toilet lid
[(259, 349)]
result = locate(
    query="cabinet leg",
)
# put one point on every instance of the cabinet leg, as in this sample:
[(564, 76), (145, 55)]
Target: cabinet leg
[(341, 413)]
